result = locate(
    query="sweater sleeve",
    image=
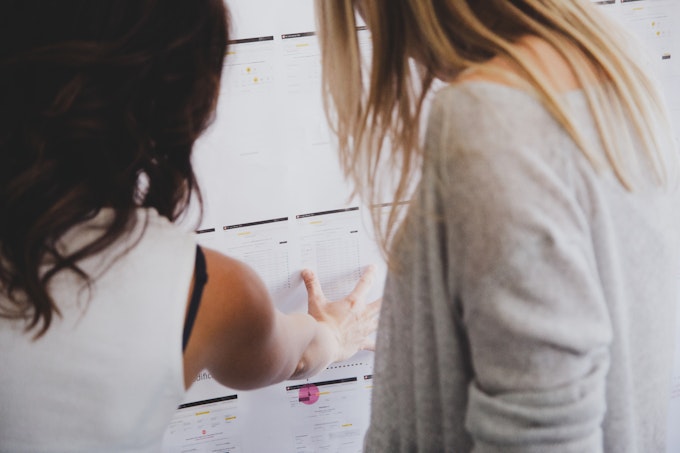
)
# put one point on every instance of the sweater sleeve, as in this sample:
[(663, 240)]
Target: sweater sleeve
[(526, 280)]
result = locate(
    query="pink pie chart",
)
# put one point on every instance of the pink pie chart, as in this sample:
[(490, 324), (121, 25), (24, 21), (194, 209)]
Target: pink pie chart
[(308, 394)]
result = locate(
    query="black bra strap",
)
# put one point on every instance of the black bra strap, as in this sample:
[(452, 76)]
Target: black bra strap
[(200, 278)]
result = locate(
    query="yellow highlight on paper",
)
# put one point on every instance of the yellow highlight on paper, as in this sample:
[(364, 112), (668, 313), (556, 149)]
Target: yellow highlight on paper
[(233, 417), (245, 233), (202, 413), (347, 425)]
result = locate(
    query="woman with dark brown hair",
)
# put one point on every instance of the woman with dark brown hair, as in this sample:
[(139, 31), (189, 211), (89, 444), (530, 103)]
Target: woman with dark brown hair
[(107, 310)]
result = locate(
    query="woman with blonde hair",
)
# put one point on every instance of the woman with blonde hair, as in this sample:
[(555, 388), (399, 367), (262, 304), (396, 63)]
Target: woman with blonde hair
[(533, 281)]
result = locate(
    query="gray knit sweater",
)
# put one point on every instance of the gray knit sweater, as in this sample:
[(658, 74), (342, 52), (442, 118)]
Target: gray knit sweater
[(533, 302)]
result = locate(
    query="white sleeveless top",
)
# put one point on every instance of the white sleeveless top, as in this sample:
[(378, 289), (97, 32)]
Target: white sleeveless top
[(108, 373)]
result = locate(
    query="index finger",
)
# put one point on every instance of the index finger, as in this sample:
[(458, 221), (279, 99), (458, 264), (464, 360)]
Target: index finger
[(312, 284)]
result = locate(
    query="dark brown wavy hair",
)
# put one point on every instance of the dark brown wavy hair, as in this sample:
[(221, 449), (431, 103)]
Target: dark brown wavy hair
[(96, 97)]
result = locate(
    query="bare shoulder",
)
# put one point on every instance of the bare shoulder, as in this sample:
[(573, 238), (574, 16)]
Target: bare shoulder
[(539, 54), (234, 314)]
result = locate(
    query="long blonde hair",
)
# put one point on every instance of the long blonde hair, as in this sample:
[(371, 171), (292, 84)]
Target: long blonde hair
[(413, 41)]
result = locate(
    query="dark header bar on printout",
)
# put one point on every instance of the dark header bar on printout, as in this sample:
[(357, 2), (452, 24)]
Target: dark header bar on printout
[(261, 222), (249, 40), (298, 35), (211, 401), (312, 33), (314, 214), (321, 384)]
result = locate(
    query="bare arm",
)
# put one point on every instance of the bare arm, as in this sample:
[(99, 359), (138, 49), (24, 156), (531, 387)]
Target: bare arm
[(246, 343)]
